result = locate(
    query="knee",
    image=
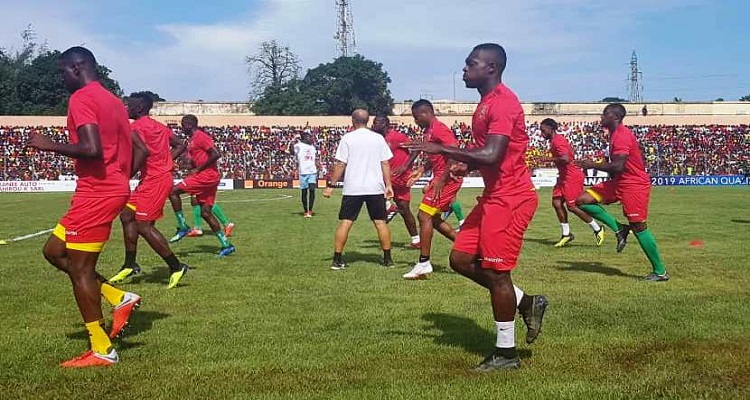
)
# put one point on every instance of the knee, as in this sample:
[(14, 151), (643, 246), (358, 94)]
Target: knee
[(126, 216), (206, 211), (638, 226), (459, 262)]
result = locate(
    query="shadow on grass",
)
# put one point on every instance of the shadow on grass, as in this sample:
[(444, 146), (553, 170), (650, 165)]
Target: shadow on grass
[(200, 249), (593, 267), (541, 241), (465, 333), (740, 221), (140, 321), (354, 257), (372, 244)]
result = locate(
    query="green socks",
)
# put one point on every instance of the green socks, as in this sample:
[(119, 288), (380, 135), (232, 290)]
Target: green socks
[(219, 213), (197, 218), (223, 239), (456, 208), (601, 215), (648, 244), (181, 223)]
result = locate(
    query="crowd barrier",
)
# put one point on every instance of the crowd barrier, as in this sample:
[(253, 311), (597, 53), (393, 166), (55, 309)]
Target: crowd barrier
[(70, 186)]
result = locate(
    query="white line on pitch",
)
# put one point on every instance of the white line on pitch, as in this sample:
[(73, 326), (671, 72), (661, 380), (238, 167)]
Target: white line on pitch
[(30, 235)]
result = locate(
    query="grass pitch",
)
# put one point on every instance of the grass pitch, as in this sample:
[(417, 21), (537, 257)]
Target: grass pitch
[(272, 321)]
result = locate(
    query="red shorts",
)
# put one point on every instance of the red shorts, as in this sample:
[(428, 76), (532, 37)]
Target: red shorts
[(87, 224), (569, 190), (634, 200), (148, 198), (494, 230), (401, 192), (433, 205), (203, 190)]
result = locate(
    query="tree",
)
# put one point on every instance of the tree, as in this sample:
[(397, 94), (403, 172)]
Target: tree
[(677, 100), (613, 100), (154, 96), (273, 65), (335, 88), (745, 98), (719, 99)]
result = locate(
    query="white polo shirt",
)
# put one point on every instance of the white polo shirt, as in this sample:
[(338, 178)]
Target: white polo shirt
[(362, 150)]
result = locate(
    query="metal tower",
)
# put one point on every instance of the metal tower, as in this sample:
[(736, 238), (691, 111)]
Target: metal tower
[(635, 87), (347, 44)]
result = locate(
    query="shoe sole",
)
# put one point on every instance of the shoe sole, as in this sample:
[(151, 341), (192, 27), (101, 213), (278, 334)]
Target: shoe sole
[(125, 327), (418, 277), (542, 308)]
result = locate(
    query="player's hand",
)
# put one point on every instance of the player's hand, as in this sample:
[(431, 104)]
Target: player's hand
[(327, 192), (398, 170), (437, 188), (427, 147), (414, 177), (40, 142), (459, 169), (585, 164), (388, 192)]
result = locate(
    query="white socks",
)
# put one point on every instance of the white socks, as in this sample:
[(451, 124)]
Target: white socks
[(415, 239), (519, 294), (506, 334), (565, 229), (594, 225)]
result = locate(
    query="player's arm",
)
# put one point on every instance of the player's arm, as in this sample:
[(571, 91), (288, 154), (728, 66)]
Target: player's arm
[(140, 153), (385, 167), (89, 144), (409, 163), (338, 172), (178, 146), (615, 165), (491, 153)]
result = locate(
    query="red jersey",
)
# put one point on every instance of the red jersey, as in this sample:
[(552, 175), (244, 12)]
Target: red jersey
[(559, 146), (156, 137), (198, 147), (623, 142), (500, 113), (110, 175), (400, 155), (439, 133)]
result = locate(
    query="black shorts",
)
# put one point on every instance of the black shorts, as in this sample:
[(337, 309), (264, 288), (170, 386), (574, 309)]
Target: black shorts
[(351, 205)]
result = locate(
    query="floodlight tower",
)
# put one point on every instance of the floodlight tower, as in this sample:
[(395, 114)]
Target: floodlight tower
[(635, 85), (347, 44)]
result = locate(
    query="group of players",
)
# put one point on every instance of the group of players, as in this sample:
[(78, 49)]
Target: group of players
[(108, 151)]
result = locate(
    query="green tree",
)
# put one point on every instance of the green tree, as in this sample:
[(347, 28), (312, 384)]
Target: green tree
[(677, 100), (719, 99), (288, 99), (613, 100), (745, 98)]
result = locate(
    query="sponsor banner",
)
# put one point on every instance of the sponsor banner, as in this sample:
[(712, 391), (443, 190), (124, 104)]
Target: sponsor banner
[(321, 183), (704, 180), (269, 184), (70, 186)]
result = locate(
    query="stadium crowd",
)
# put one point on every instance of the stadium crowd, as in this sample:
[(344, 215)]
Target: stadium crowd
[(254, 152)]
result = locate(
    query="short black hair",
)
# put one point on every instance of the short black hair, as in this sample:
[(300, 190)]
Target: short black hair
[(422, 103), (146, 98), (191, 118), (79, 52), (498, 52), (550, 122), (617, 109)]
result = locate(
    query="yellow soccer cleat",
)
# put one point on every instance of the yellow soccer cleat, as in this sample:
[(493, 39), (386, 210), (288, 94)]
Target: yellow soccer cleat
[(175, 277), (564, 240), (599, 237), (125, 272)]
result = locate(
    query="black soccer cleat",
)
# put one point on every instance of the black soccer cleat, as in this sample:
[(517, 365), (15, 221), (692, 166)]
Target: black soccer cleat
[(656, 278), (497, 362), (533, 316), (622, 237)]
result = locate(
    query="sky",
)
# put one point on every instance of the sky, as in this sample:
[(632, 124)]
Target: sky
[(558, 50)]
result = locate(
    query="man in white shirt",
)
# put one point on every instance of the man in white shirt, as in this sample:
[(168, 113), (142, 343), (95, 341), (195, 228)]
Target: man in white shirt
[(364, 155), (306, 154)]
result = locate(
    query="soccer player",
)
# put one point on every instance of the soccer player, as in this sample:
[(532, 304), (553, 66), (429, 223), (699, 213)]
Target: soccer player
[(197, 230), (146, 204), (487, 247), (400, 173), (201, 181), (101, 145), (458, 211), (307, 160), (569, 184), (362, 159), (629, 184), (440, 192)]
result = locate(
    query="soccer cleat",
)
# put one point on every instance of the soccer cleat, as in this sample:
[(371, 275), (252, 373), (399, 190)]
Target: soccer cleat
[(181, 233), (308, 214), (622, 237), (121, 313), (92, 359), (388, 263), (496, 362), (228, 229), (225, 251), (599, 236), (338, 266), (195, 232), (174, 277), (564, 240), (656, 278), (392, 212), (533, 316), (125, 272), (421, 270)]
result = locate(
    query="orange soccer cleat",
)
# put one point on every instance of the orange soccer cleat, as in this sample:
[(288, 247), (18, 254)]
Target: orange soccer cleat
[(122, 311), (92, 359)]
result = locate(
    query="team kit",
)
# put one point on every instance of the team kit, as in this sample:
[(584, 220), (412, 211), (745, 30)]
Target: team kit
[(108, 150)]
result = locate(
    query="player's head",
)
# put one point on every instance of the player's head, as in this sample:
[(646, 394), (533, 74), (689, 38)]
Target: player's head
[(77, 66), (485, 63), (548, 127), (381, 124), (423, 113), (612, 116), (360, 117), (139, 104), (305, 137), (189, 124)]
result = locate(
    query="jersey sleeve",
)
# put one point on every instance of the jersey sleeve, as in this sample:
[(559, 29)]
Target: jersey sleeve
[(342, 151), (82, 111), (620, 145)]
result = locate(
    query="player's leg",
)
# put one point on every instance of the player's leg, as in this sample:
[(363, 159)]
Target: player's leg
[(635, 207), (311, 186), (590, 201), (223, 220), (159, 243), (348, 213), (197, 229), (130, 235), (562, 216), (598, 230), (404, 207), (305, 206), (176, 201), (376, 211), (423, 268), (443, 227), (458, 212)]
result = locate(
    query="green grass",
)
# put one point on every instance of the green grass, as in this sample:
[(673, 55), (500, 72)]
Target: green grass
[(272, 321)]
